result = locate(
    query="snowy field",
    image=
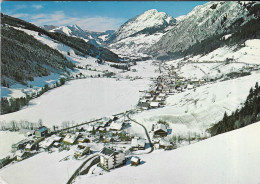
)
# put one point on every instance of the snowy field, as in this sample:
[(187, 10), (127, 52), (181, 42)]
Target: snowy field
[(230, 158), (248, 54), (209, 70), (81, 100), (195, 111), (6, 141), (32, 170)]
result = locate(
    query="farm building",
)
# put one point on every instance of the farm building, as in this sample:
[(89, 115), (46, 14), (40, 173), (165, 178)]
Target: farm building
[(138, 144), (155, 104), (110, 159), (160, 130), (71, 138), (41, 132), (116, 125), (82, 152), (135, 161)]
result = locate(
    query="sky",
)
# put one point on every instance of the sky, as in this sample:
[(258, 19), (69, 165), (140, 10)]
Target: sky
[(91, 15)]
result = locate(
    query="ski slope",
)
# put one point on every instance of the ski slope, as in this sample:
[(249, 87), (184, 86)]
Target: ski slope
[(230, 158)]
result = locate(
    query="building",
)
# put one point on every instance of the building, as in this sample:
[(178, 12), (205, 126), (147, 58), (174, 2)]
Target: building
[(110, 159), (135, 161), (160, 130), (41, 131), (116, 125), (71, 138), (155, 104), (138, 144)]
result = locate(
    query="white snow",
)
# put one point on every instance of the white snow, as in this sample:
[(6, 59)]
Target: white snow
[(249, 54), (42, 168), (230, 158), (6, 140), (81, 100), (195, 111)]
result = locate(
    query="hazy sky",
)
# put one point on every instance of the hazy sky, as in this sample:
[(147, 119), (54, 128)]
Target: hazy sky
[(93, 16)]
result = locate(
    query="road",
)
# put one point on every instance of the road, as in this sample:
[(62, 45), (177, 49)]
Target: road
[(146, 132)]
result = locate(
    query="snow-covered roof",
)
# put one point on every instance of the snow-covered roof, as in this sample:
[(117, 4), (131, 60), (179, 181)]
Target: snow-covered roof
[(160, 127), (70, 138), (137, 142), (163, 142), (135, 159), (116, 125), (106, 152), (42, 129), (154, 104)]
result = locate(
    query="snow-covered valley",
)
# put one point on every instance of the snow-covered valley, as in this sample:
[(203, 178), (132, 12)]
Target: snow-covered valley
[(145, 117)]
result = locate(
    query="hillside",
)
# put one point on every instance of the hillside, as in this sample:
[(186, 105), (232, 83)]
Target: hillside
[(206, 24), (230, 158), (140, 32), (80, 46), (23, 58)]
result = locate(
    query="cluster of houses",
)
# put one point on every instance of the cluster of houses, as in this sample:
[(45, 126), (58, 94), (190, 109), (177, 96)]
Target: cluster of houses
[(166, 84)]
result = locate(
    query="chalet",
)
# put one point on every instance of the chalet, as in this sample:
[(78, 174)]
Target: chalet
[(82, 152), (20, 155), (20, 145), (116, 125), (30, 147), (71, 138), (82, 140), (154, 104), (135, 161), (160, 130), (165, 144), (110, 159), (143, 105), (138, 144), (41, 132)]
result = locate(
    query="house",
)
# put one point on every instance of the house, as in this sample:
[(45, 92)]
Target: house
[(143, 105), (29, 147), (71, 138), (135, 161), (41, 131), (20, 155), (160, 130), (165, 144), (138, 144), (155, 104), (116, 125), (82, 140), (110, 159), (82, 152), (20, 145)]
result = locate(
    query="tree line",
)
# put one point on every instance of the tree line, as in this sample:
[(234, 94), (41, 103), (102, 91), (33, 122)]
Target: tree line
[(248, 114), (15, 104)]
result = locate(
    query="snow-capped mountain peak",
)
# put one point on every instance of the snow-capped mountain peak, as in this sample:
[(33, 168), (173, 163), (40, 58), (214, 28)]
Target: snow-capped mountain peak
[(150, 19)]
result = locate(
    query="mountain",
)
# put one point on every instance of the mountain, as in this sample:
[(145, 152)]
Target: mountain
[(140, 32), (48, 27), (24, 57), (213, 19), (95, 38)]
